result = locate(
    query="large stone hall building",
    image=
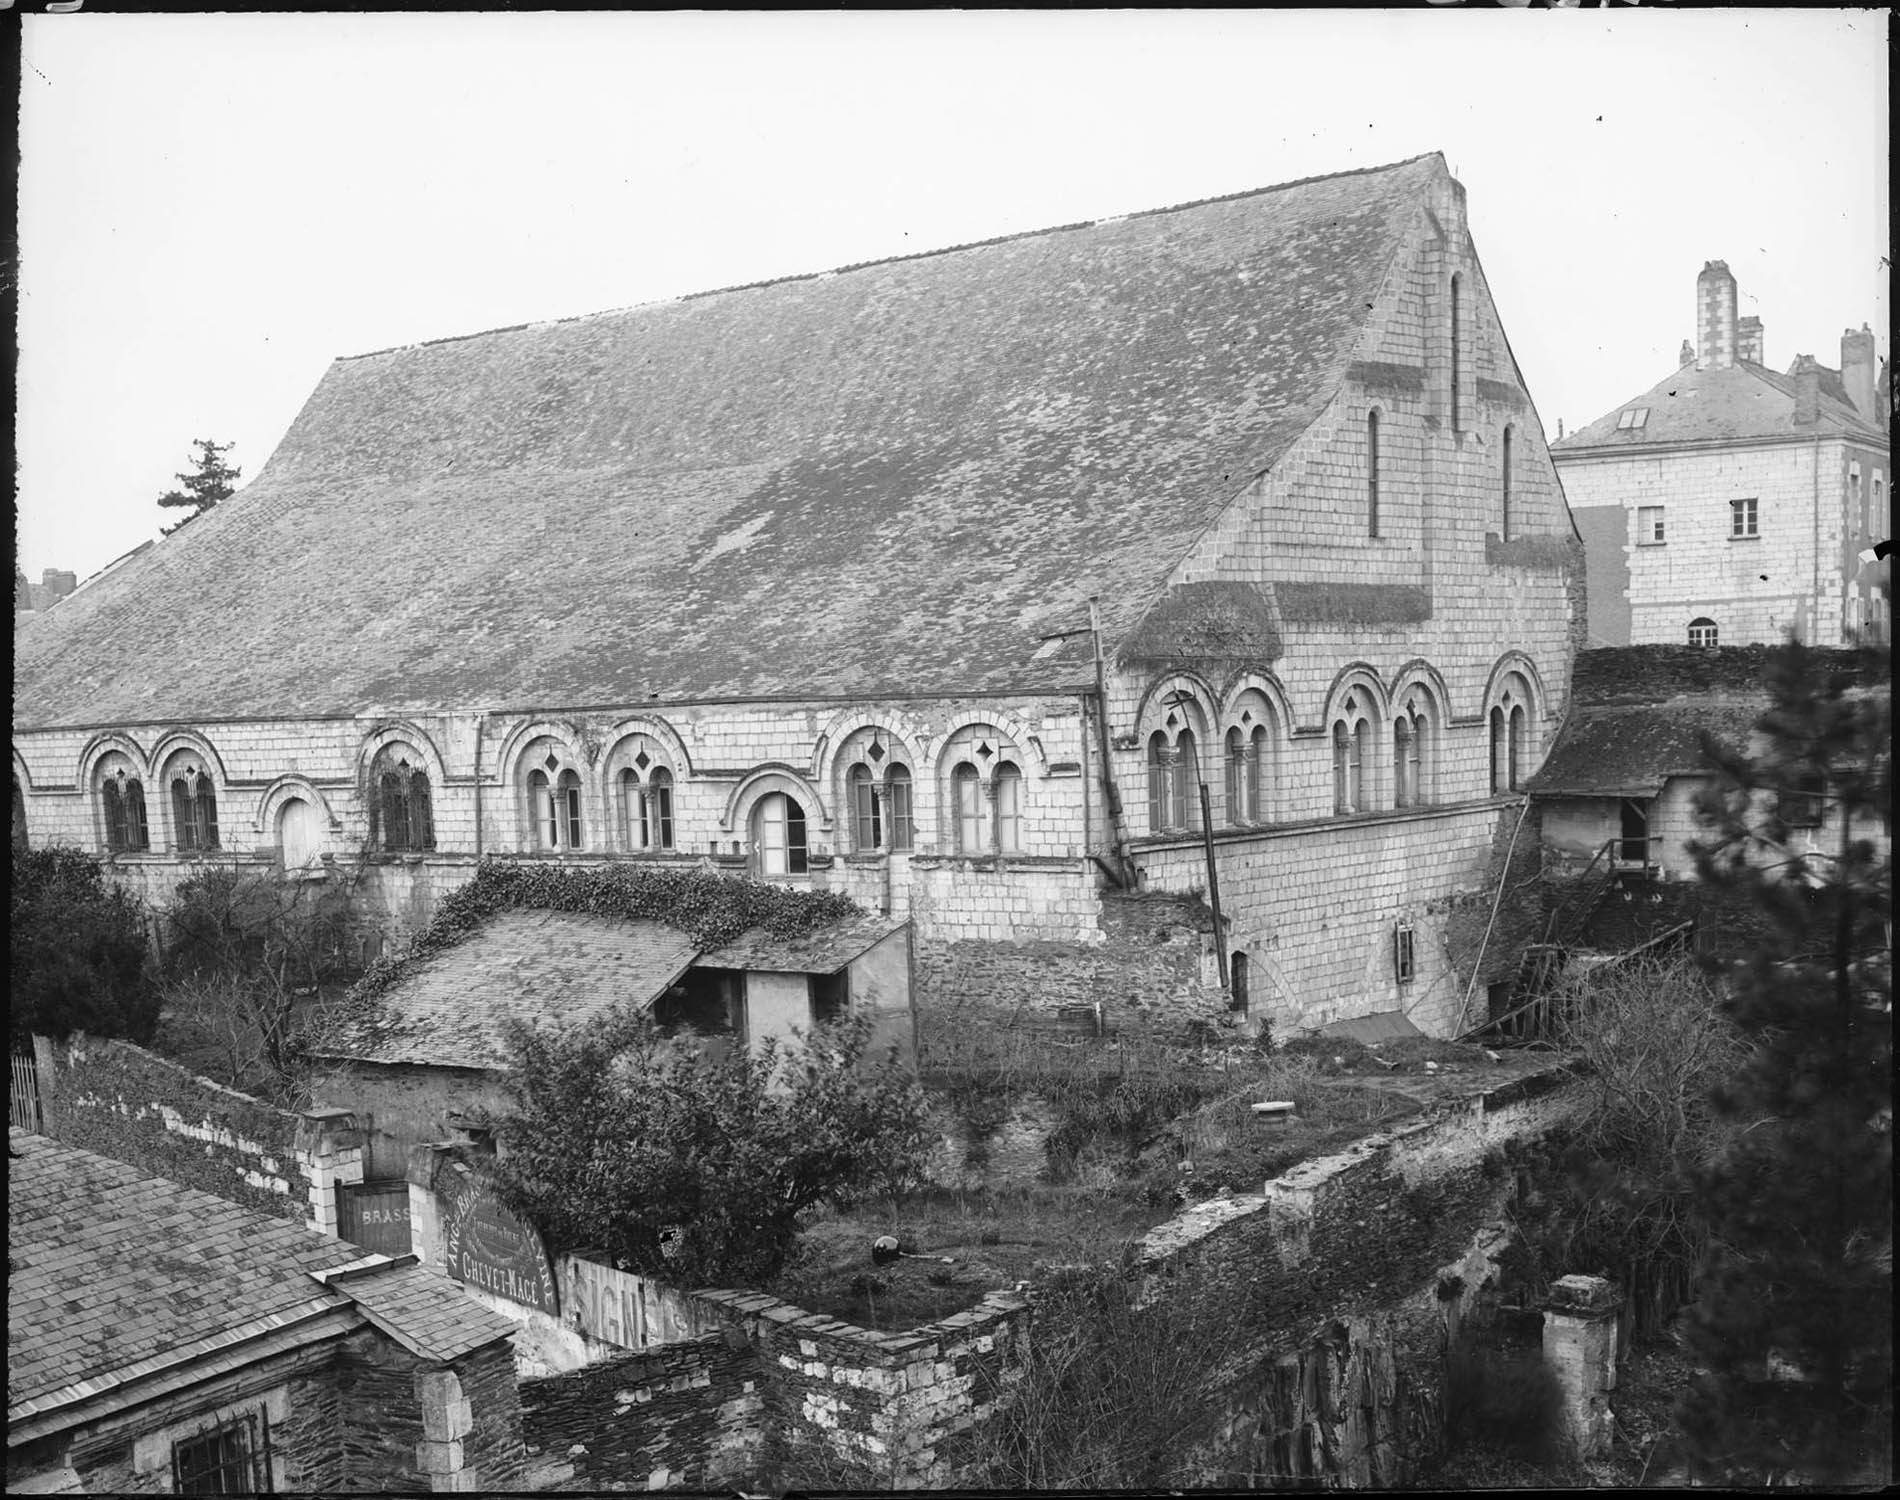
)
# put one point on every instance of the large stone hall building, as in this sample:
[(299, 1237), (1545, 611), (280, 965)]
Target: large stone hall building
[(799, 579)]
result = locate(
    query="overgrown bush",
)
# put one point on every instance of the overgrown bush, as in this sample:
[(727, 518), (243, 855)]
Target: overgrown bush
[(692, 1165), (1507, 1400), (1616, 1192), (79, 960)]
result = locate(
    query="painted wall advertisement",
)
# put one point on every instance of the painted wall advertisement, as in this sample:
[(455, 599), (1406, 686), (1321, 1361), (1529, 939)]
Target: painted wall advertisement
[(488, 1247)]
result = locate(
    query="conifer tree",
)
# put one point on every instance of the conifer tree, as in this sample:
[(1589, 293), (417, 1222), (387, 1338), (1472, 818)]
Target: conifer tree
[(1793, 1326), (209, 482)]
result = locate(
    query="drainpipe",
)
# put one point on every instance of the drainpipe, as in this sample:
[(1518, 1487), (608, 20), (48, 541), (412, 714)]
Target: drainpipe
[(1088, 777), (1213, 878), (1814, 587)]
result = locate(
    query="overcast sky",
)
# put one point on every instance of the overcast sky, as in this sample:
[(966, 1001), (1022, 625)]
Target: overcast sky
[(214, 207)]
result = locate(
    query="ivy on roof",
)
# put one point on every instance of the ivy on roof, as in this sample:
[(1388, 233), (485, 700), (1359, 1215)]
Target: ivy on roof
[(712, 909)]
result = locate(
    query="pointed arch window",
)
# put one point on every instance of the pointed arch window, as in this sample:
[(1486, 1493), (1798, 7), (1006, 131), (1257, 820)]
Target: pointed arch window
[(1174, 776), (643, 796), (194, 809), (402, 813)]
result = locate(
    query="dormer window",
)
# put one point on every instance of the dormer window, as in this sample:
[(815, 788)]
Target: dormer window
[(1632, 418)]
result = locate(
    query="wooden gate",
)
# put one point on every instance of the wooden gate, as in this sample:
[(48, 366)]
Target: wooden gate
[(375, 1215), (23, 1093)]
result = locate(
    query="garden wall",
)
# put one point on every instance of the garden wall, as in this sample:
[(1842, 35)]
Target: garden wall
[(119, 1100)]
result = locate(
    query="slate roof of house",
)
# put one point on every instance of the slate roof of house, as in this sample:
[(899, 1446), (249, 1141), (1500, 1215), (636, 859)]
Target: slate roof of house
[(893, 478), (116, 1274), (1630, 750), (428, 1315), (539, 966), (1720, 405)]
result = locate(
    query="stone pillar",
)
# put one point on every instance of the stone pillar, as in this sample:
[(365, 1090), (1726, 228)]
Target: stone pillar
[(330, 1149), (1580, 1349), (447, 1419)]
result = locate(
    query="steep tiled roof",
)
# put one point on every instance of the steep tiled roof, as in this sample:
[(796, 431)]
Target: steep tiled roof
[(1715, 405), (116, 1275), (1632, 749), (526, 965), (896, 477)]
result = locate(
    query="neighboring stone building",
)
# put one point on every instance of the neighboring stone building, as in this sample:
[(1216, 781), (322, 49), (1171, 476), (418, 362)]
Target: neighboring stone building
[(164, 1341), (427, 1056), (1616, 800), (800, 577), (1730, 505)]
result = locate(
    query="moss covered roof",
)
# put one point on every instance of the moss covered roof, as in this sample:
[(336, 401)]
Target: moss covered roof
[(896, 478)]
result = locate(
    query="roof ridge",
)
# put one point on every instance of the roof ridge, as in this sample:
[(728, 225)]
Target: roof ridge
[(891, 260)]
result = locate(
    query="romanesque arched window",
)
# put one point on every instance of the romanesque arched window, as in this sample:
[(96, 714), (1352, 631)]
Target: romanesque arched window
[(1372, 473), (878, 789), (644, 795), (1414, 749), (551, 784), (299, 833), (901, 824), (778, 836), (1510, 722), (1174, 777), (1703, 631), (401, 809)]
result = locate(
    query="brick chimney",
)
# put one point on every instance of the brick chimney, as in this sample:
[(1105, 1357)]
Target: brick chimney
[(1807, 389), (1748, 344), (59, 582), (1686, 356), (1857, 371), (1715, 316)]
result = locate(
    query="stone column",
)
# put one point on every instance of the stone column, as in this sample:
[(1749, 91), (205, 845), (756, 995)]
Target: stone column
[(447, 1419), (330, 1149), (1580, 1348)]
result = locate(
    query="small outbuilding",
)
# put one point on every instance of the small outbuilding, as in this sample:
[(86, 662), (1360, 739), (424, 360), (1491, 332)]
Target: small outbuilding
[(430, 1052), (164, 1341)]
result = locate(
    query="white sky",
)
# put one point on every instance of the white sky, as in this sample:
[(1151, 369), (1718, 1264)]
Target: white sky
[(213, 207)]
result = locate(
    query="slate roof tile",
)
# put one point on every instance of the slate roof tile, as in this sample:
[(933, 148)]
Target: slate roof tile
[(1632, 749), (113, 1271), (894, 478), (1714, 405)]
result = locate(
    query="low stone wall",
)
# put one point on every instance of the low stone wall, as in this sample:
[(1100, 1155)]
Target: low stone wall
[(1349, 1274), (119, 1100), (685, 1415), (778, 1391)]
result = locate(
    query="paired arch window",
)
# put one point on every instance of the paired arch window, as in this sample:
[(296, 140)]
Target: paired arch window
[(1414, 752), (194, 807), (554, 804), (1510, 737), (1174, 778), (122, 799), (1249, 774), (646, 807), (643, 790), (879, 796), (401, 809), (998, 827), (779, 844)]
